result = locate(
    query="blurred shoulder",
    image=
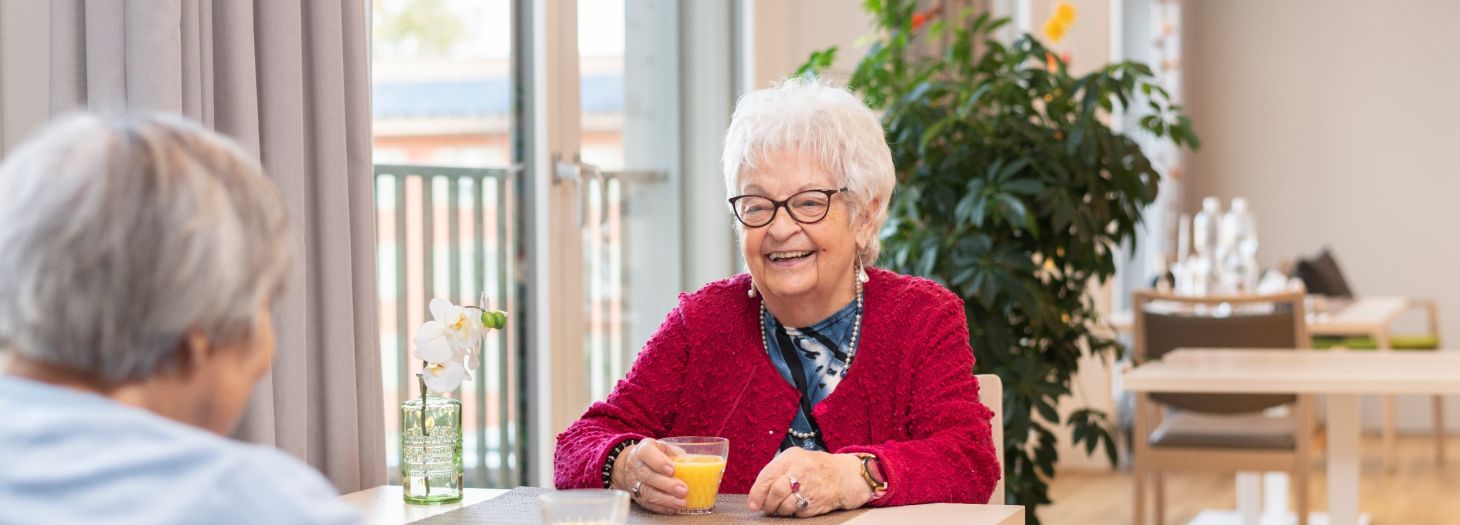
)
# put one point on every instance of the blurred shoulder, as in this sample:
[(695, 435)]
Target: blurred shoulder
[(103, 458), (261, 484), (911, 291)]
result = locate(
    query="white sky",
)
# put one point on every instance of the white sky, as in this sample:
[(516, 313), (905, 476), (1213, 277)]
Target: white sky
[(489, 28)]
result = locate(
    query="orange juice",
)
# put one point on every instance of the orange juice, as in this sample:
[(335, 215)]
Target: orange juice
[(702, 473)]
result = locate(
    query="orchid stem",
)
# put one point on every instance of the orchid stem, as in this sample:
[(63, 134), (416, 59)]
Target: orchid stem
[(425, 443)]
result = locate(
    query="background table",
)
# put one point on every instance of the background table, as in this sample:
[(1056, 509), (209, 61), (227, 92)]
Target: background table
[(383, 506), (1341, 376), (1369, 317), (1366, 316)]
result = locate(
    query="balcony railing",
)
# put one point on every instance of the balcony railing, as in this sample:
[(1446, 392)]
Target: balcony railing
[(448, 232), (607, 257)]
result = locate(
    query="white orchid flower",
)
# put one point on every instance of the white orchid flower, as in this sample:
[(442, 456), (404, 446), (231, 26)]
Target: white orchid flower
[(463, 325), (433, 344), (468, 357), (449, 342), (442, 378)]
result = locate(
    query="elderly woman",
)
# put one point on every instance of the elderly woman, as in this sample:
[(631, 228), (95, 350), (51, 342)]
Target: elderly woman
[(138, 260), (838, 385)]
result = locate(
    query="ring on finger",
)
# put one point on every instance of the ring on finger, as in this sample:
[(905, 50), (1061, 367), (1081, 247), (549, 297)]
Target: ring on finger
[(801, 501), (637, 485)]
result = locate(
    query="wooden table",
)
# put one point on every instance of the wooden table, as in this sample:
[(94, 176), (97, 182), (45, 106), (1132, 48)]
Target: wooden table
[(1341, 376), (383, 506), (1368, 317), (1365, 317)]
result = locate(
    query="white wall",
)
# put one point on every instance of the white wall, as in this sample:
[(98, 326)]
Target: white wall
[(782, 34), (1337, 120), (24, 69)]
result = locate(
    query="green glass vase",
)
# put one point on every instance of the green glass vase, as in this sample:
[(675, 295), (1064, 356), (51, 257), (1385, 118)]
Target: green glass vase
[(430, 451)]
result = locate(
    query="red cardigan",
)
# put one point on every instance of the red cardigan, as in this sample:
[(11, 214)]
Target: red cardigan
[(910, 396)]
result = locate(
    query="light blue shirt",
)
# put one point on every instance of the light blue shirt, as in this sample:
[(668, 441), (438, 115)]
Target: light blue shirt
[(71, 457)]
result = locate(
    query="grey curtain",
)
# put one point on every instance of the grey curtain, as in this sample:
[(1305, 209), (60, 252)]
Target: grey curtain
[(288, 80)]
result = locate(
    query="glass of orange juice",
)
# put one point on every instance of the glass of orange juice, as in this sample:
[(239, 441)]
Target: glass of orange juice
[(699, 462)]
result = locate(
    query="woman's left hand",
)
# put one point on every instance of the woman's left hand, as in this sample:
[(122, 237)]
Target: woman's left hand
[(828, 482)]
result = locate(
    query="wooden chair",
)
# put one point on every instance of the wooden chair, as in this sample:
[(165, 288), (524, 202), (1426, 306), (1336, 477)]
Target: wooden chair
[(1222, 432), (1322, 275), (991, 394)]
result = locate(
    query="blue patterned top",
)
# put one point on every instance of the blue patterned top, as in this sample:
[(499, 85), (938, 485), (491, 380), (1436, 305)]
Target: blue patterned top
[(823, 349)]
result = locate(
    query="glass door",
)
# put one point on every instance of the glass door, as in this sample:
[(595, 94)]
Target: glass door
[(446, 198), (629, 134), (527, 150), (604, 98)]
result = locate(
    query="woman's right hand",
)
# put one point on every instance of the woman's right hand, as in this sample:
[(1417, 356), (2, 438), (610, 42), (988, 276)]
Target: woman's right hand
[(648, 464)]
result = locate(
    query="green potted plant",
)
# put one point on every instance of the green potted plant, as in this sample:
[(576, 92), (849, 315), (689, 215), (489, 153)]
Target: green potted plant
[(1016, 193)]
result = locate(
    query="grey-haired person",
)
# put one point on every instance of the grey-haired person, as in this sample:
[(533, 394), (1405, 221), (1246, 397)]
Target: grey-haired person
[(139, 258)]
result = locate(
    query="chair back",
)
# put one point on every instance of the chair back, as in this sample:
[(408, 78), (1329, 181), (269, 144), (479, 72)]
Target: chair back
[(1248, 321), (991, 394)]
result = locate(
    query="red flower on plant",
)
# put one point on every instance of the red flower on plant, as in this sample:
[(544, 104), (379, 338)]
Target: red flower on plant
[(921, 19)]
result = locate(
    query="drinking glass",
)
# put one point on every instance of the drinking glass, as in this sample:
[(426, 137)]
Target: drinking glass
[(584, 507), (700, 463)]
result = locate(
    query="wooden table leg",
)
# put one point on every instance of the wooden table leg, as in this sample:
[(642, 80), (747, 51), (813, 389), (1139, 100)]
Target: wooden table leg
[(1388, 410), (1249, 497), (1343, 459), (1389, 413), (1437, 403)]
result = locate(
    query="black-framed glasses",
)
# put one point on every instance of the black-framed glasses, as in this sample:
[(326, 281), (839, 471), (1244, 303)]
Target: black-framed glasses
[(807, 207)]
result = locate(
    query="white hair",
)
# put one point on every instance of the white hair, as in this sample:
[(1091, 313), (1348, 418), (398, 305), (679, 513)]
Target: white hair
[(828, 123), (119, 235)]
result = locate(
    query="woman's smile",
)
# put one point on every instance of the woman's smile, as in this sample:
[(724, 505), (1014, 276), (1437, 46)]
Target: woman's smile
[(788, 259)]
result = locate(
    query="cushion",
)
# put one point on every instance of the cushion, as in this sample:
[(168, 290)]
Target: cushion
[(1398, 342), (1326, 342), (1322, 276), (1244, 431), (1415, 342)]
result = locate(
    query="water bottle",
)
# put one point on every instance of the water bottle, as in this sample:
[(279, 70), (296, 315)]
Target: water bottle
[(1203, 242), (1181, 269), (1228, 271), (1245, 245)]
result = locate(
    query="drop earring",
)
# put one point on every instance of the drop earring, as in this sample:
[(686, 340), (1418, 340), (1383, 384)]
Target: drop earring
[(862, 273), (751, 292)]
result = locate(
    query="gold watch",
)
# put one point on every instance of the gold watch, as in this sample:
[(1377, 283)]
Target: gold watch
[(872, 474)]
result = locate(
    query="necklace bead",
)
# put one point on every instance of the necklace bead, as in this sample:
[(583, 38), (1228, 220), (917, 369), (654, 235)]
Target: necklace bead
[(803, 435)]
